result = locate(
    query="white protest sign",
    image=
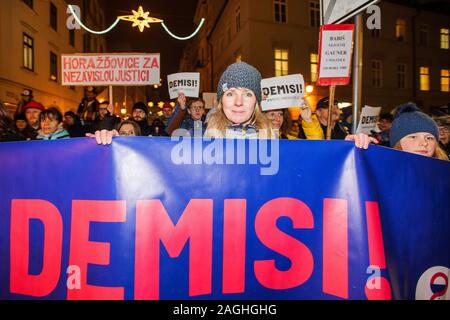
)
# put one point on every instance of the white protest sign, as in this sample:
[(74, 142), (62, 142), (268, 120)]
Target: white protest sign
[(185, 82), (368, 120), (210, 99), (335, 55), (110, 69), (282, 92)]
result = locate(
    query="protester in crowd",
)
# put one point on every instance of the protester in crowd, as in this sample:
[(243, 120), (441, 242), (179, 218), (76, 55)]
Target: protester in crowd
[(139, 114), (32, 112), (295, 130), (25, 97), (384, 124), (128, 128), (310, 127), (415, 132), (20, 122), (282, 122), (238, 113), (167, 111), (88, 108), (157, 128), (339, 131), (346, 117), (52, 125), (7, 130), (443, 123), (195, 110), (105, 119), (73, 125), (22, 128)]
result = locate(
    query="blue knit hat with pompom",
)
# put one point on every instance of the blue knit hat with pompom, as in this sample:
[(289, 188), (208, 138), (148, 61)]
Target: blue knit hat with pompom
[(410, 119)]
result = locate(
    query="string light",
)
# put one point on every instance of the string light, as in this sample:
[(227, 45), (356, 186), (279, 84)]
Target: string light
[(89, 30), (140, 19), (185, 38)]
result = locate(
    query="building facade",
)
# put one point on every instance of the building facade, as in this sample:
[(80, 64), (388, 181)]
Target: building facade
[(408, 59), (33, 35)]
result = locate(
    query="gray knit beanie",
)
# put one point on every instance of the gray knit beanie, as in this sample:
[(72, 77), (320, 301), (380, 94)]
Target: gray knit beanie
[(240, 75), (410, 119)]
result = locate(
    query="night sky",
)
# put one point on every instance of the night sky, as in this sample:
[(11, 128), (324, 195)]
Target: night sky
[(178, 17)]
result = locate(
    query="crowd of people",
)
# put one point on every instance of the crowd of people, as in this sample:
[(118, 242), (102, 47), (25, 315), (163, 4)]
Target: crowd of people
[(238, 114)]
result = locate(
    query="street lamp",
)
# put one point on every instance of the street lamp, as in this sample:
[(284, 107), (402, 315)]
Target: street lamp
[(309, 89)]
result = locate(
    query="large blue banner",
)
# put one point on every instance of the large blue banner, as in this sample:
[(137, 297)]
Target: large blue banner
[(151, 218)]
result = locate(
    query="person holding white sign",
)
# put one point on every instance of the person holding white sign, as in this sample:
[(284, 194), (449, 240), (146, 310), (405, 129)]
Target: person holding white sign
[(281, 121), (196, 121), (339, 132)]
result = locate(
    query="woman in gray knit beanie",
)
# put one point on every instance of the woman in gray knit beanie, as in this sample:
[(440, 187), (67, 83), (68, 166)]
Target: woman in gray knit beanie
[(414, 131), (238, 113)]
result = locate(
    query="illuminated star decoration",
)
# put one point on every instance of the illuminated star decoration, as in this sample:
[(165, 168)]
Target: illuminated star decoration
[(140, 19)]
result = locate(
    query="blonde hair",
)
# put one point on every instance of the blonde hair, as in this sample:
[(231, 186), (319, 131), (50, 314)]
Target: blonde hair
[(218, 123), (438, 153)]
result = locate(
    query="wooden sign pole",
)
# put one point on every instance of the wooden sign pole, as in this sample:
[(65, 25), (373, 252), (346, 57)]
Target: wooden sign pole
[(330, 111)]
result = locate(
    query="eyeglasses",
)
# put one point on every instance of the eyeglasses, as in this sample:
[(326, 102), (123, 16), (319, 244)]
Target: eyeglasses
[(197, 108)]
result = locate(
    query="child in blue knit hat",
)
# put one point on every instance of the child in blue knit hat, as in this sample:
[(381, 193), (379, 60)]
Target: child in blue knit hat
[(414, 131)]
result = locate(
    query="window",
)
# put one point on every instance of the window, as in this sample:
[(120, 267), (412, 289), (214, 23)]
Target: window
[(314, 70), (314, 14), (280, 10), (401, 76), (28, 3), (444, 38), (72, 37), (400, 30), (281, 62), (53, 17), (28, 52), (424, 79), (238, 19), (445, 80), (377, 73), (53, 66), (423, 35)]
